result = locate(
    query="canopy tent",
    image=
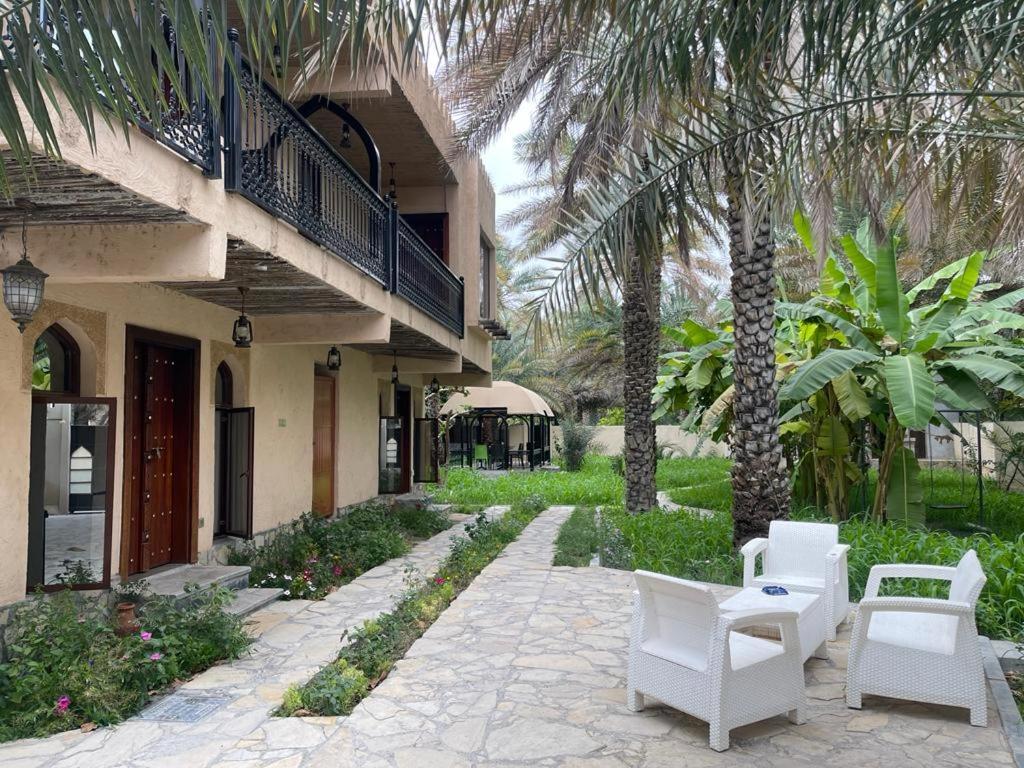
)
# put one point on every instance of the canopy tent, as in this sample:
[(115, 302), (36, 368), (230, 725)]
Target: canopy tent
[(500, 426)]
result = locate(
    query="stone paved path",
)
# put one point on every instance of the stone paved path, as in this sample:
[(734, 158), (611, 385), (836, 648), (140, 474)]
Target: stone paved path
[(295, 639), (526, 668)]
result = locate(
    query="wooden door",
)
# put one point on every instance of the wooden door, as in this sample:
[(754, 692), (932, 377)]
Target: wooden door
[(160, 451), (323, 445)]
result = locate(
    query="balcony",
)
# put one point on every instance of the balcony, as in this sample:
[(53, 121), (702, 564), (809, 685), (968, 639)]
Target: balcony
[(270, 154)]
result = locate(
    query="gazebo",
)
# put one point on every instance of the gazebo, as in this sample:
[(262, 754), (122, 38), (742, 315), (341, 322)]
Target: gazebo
[(503, 426)]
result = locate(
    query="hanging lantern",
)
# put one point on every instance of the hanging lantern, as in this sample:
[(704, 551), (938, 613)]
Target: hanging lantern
[(241, 332), (435, 385), (346, 132), (333, 359), (394, 370), (23, 287), (392, 189)]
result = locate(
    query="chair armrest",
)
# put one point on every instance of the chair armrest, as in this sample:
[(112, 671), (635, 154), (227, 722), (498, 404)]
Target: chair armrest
[(838, 551), (905, 571), (750, 551), (916, 605)]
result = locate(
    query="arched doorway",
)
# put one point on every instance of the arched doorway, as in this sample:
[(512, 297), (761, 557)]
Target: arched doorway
[(71, 468), (233, 459)]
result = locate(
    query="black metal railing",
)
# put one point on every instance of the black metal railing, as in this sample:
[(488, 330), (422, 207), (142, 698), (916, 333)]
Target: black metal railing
[(275, 158), (427, 281)]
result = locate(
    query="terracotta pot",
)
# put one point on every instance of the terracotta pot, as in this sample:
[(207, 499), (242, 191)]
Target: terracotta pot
[(127, 624)]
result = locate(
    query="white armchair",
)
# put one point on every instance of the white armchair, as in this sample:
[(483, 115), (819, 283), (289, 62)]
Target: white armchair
[(922, 649), (687, 654), (803, 557)]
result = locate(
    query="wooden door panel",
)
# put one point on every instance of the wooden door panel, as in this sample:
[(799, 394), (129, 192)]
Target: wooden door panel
[(323, 445)]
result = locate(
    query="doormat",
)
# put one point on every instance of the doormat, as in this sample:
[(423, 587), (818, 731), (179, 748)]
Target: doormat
[(183, 708)]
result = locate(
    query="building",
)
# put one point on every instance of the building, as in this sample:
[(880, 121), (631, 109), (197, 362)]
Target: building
[(141, 427)]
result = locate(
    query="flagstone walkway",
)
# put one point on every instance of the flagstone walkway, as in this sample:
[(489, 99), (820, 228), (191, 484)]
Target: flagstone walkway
[(526, 668)]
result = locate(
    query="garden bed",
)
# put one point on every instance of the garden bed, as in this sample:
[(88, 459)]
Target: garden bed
[(313, 556), (67, 668), (380, 642)]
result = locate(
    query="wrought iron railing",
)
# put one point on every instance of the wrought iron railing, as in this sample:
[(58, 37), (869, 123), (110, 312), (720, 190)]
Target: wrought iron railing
[(427, 281), (275, 158)]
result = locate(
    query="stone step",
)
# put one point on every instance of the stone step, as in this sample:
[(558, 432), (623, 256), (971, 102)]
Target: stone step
[(172, 582), (251, 599)]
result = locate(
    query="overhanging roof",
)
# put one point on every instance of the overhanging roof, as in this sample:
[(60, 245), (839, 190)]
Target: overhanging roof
[(515, 399)]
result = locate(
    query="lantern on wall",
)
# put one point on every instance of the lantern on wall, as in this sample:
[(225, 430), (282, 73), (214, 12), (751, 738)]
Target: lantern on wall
[(392, 187), (23, 287), (333, 359), (241, 331)]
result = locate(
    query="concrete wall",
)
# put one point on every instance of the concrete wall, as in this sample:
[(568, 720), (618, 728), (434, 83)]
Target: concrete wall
[(611, 441), (277, 380)]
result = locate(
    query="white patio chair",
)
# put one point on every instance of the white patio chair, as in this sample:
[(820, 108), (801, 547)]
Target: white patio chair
[(687, 654), (919, 648), (804, 557)]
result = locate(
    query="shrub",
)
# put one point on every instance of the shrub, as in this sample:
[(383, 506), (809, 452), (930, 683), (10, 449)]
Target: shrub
[(313, 555), (594, 484), (577, 440), (421, 522), (67, 667), (578, 539), (338, 687)]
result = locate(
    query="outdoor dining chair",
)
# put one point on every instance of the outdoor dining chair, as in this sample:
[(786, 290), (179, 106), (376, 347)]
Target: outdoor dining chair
[(920, 648), (689, 655)]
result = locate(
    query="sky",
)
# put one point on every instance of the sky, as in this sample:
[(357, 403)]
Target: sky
[(503, 168)]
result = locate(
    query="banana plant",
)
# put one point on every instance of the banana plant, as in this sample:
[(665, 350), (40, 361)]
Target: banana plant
[(863, 354)]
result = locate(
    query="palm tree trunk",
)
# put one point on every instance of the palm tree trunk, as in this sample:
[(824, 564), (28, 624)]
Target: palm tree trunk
[(641, 333), (759, 482)]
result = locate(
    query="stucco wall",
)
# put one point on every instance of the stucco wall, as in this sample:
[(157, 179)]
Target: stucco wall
[(611, 440), (277, 380)]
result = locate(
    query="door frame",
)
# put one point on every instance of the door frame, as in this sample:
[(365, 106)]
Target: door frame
[(327, 377), (133, 334)]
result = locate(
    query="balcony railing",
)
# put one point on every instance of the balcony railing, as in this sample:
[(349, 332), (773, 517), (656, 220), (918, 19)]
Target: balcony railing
[(427, 282), (276, 159)]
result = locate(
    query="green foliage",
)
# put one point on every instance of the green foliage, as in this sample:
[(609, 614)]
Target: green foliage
[(314, 555), (380, 642), (577, 440), (716, 496), (578, 539), (67, 667), (613, 417), (594, 484)]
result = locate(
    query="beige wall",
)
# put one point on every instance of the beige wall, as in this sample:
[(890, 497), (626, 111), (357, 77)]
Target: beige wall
[(611, 441), (277, 380)]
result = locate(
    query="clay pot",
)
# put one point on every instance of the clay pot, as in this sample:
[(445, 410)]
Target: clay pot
[(127, 623)]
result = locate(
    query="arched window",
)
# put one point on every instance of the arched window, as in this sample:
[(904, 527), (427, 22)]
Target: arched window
[(224, 388), (56, 362)]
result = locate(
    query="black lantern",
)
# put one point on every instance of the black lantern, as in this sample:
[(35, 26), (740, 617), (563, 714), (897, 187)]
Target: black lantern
[(346, 132), (435, 385), (394, 370), (333, 359), (23, 287), (278, 61), (392, 189), (241, 332)]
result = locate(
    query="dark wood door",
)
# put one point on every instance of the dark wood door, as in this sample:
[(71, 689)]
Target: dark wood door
[(323, 445), (160, 444), (403, 410), (233, 457)]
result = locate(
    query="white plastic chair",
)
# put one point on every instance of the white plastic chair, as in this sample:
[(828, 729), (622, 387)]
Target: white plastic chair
[(919, 648), (803, 557), (687, 654)]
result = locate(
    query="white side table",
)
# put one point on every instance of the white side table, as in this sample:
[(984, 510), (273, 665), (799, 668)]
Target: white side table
[(810, 623)]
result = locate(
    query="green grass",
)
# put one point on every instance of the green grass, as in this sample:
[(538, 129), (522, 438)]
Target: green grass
[(683, 472), (578, 539)]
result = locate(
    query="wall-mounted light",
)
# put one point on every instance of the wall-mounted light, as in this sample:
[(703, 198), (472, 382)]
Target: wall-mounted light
[(23, 287), (392, 188), (278, 61), (435, 385), (241, 331), (394, 370), (333, 359)]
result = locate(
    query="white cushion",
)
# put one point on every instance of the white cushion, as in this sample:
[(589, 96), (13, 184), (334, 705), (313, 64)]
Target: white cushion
[(932, 632), (743, 649)]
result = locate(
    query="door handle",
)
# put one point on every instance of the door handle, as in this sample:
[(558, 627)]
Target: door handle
[(154, 453)]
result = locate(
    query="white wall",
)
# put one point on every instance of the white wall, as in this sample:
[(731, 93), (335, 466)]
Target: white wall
[(612, 441)]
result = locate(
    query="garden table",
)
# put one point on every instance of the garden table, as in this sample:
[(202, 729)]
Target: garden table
[(810, 622)]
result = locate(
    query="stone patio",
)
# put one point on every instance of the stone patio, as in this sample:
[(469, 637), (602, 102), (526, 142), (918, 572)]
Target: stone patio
[(527, 667)]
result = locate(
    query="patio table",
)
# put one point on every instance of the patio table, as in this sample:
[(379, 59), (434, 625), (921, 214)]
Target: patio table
[(809, 607)]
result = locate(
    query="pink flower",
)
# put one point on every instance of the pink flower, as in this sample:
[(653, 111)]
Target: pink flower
[(439, 580), (337, 570), (62, 704), (146, 635), (155, 656)]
